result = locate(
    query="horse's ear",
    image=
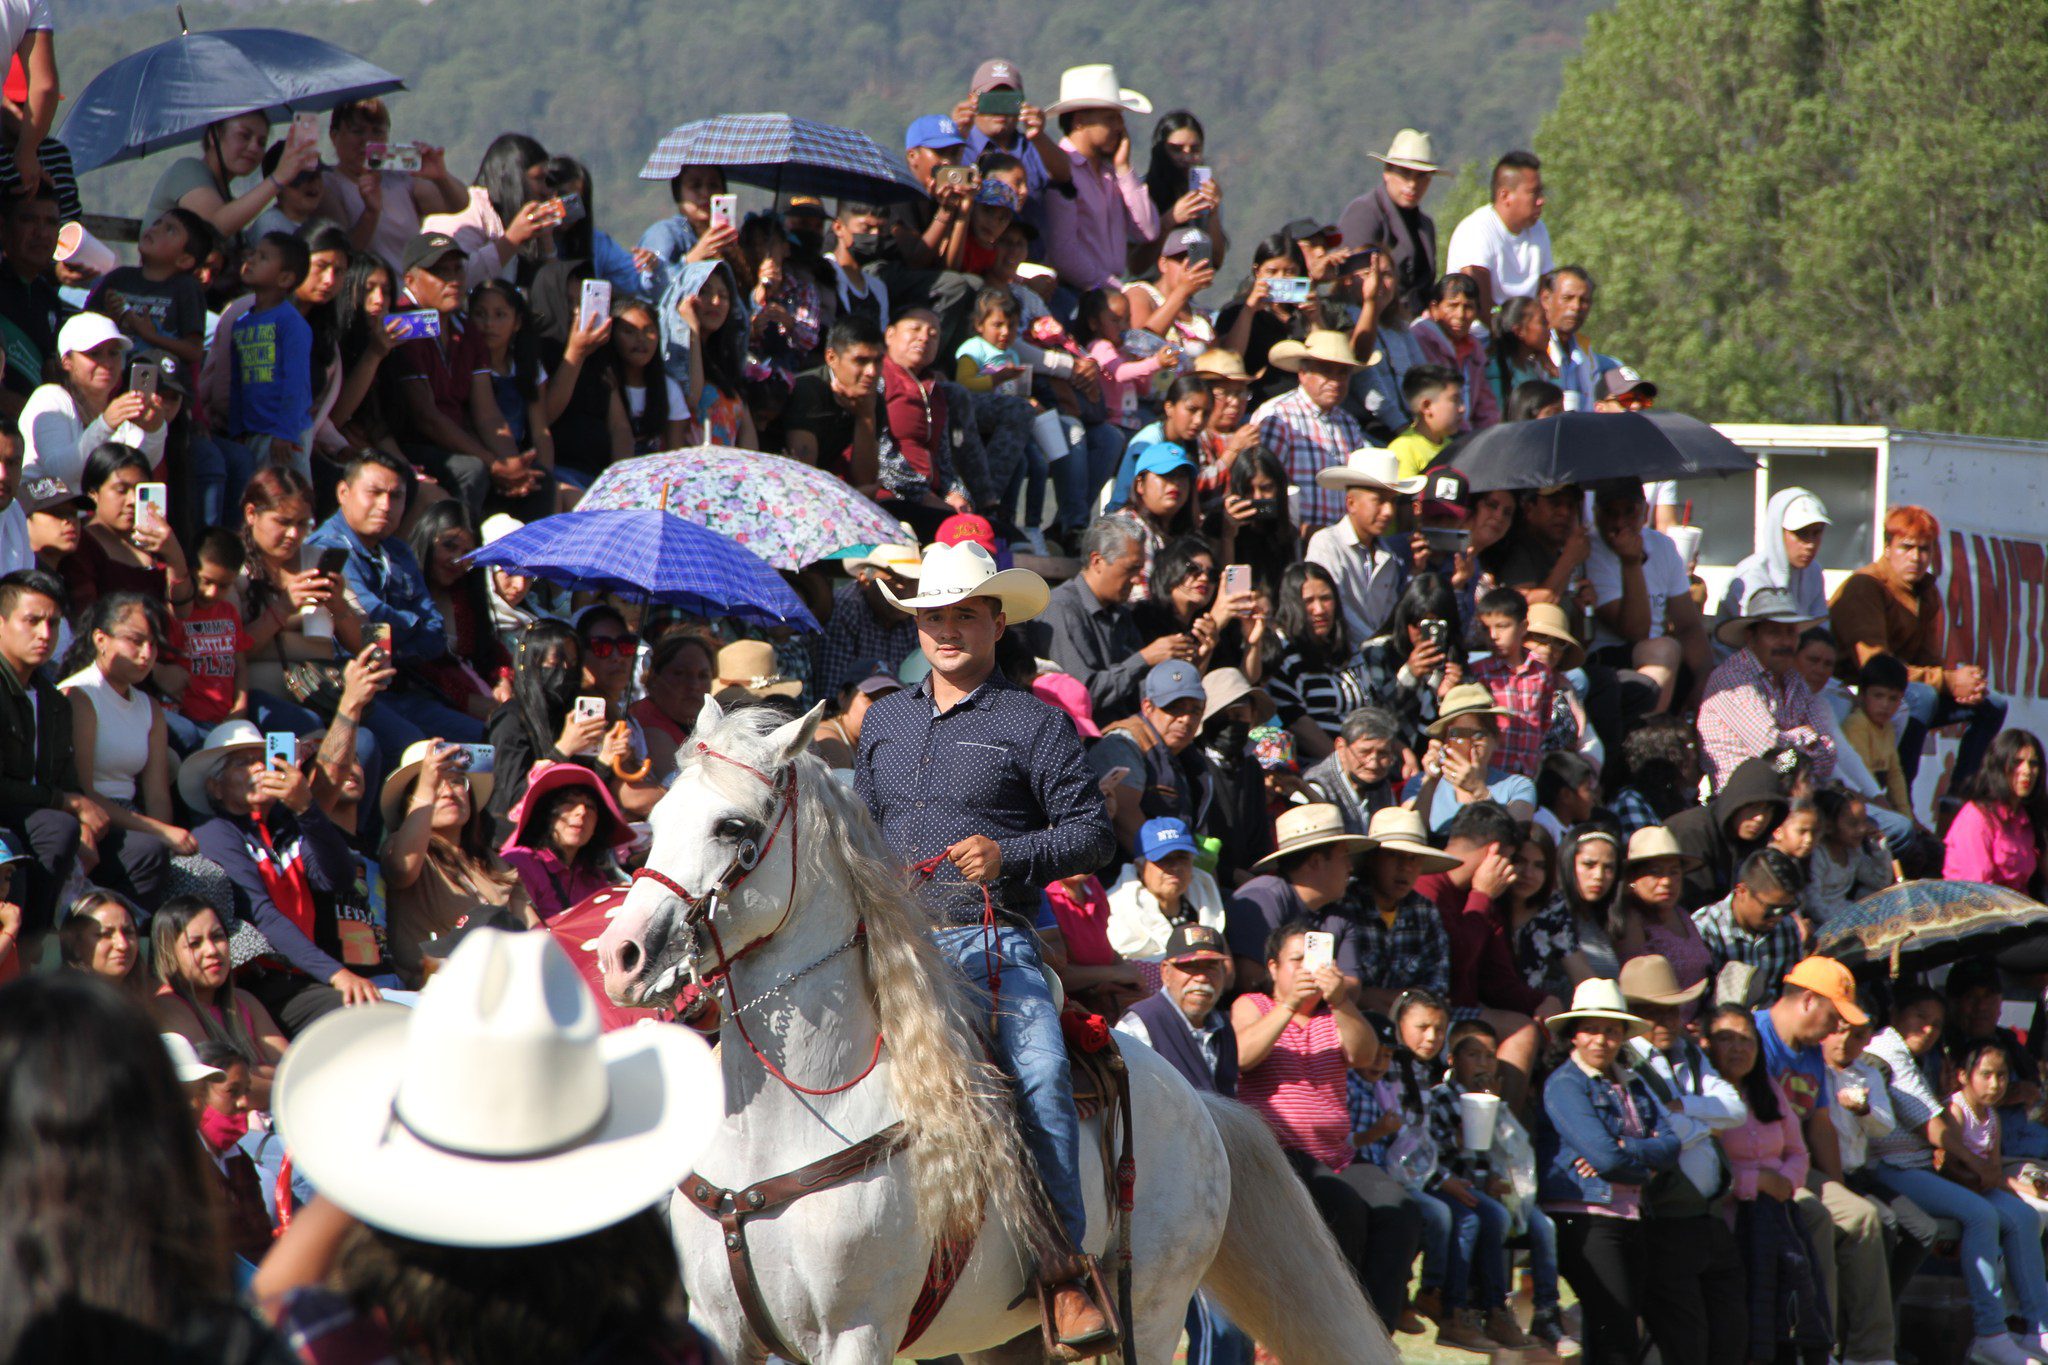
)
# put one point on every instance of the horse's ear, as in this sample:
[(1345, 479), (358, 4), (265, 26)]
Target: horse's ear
[(792, 739), (708, 717)]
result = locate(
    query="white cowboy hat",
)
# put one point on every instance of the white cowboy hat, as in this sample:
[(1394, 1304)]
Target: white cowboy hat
[(1764, 604), (1397, 829), (1599, 998), (897, 559), (1371, 467), (1095, 87), (202, 763), (954, 573), (1411, 150), (1311, 826), (1655, 841), (398, 786), (495, 1113), (1324, 344)]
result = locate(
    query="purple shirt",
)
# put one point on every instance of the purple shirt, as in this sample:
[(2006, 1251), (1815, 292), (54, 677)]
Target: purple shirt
[(1088, 237)]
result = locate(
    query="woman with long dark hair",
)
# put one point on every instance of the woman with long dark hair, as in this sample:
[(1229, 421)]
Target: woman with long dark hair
[(1589, 880), (97, 934), (1999, 833), (1308, 661), (1187, 598), (566, 831), (1254, 526), (365, 332), (499, 313), (196, 995), (713, 367), (1178, 146), (508, 228), (1254, 322), (1521, 348), (579, 238), (538, 724), (477, 675), (1414, 666), (120, 549)]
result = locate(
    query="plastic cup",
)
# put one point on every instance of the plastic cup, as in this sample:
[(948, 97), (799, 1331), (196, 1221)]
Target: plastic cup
[(77, 247), (1687, 539), (1480, 1113), (1049, 432)]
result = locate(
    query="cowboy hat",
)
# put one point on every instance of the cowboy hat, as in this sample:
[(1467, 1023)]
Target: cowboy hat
[(1466, 699), (548, 776), (1766, 604), (1655, 841), (494, 1113), (398, 786), (1095, 87), (955, 573), (1219, 366), (900, 560), (1548, 620), (1599, 998), (197, 770), (1226, 687), (1311, 826), (1396, 829), (1411, 150), (1650, 980), (748, 666), (1324, 344), (1371, 467)]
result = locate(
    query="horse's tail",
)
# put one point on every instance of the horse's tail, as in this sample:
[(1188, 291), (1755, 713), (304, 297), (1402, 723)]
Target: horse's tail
[(1278, 1273)]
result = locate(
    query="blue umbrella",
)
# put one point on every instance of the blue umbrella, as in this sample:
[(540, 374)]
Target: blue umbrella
[(652, 555), (168, 95), (787, 155)]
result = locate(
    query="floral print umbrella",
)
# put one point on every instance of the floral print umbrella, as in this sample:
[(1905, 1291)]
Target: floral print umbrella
[(787, 512)]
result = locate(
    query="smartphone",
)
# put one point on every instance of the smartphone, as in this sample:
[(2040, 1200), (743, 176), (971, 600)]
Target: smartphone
[(385, 156), (377, 635), (143, 378), (1115, 776), (952, 175), (725, 210), (1446, 539), (1001, 103), (1201, 250), (155, 496), (1199, 176), (305, 129), (589, 708), (595, 305), (1318, 950), (280, 744), (1289, 288), (1436, 632), (475, 759), (572, 209), (1237, 579), (333, 561), (416, 324)]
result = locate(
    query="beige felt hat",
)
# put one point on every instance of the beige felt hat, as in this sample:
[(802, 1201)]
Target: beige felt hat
[(1650, 979), (1655, 841), (1599, 998), (1548, 620), (749, 666), (1466, 699), (1412, 150), (1095, 86), (1310, 826), (1222, 367), (1324, 344), (1397, 829)]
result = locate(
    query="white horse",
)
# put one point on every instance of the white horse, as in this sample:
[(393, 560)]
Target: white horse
[(764, 861)]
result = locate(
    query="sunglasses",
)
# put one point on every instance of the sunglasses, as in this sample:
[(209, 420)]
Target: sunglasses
[(613, 647)]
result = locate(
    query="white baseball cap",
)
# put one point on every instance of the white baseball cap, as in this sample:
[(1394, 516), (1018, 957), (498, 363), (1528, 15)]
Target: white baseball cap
[(185, 1059), (87, 330), (1804, 511)]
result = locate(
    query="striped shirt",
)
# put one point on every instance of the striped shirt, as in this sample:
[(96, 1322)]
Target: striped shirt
[(1324, 694), (1300, 1089)]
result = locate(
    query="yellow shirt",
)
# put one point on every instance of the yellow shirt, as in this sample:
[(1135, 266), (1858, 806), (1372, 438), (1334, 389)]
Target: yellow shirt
[(1416, 451), (1880, 753)]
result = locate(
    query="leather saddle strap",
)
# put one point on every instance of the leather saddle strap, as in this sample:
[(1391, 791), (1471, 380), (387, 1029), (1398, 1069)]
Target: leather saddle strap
[(732, 1209)]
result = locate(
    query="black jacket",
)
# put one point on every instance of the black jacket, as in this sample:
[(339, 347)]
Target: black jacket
[(1707, 832), (36, 765)]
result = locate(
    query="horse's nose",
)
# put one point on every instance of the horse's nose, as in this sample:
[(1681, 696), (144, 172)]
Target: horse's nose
[(629, 959)]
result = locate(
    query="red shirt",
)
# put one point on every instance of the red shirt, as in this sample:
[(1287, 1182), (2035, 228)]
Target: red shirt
[(209, 644), (1526, 694), (1084, 923), (449, 364), (1482, 960), (917, 415)]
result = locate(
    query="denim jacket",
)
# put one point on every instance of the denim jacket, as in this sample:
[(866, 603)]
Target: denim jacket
[(1585, 1122)]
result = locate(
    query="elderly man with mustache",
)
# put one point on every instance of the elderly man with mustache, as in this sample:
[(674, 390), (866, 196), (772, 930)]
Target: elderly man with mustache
[(1756, 701)]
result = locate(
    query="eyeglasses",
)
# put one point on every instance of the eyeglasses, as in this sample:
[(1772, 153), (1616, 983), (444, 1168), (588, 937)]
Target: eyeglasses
[(1469, 736), (613, 647)]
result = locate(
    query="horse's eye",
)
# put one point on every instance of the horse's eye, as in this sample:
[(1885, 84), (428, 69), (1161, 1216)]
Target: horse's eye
[(734, 828)]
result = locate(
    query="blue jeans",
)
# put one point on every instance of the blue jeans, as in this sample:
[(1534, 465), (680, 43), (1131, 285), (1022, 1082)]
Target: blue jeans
[(1476, 1274), (1930, 709), (1436, 1239), (2020, 1135), (1999, 1221), (1029, 478), (1542, 1236), (220, 471), (1213, 1339), (1033, 1054), (406, 717), (1080, 476)]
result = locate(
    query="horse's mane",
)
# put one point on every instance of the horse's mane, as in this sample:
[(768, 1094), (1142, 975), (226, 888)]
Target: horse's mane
[(967, 1160)]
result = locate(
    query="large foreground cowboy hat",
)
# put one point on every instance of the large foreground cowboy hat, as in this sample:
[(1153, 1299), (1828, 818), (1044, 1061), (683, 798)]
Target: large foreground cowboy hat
[(955, 573), (495, 1113)]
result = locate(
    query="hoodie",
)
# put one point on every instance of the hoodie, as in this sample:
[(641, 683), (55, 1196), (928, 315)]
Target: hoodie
[(1707, 832), (1771, 569)]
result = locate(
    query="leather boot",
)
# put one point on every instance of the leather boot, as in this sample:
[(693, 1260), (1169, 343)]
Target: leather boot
[(1079, 1321)]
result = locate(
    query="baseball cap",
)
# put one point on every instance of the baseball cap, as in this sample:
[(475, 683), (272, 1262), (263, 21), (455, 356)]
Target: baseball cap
[(426, 248), (1804, 511), (12, 848), (935, 131), (1177, 242), (173, 374), (1195, 943), (185, 1060), (1301, 229), (805, 204), (882, 680), (996, 74), (1447, 494), (964, 526), (1157, 838), (997, 194), (1164, 457), (1832, 982), (1172, 681), (50, 495), (87, 330), (1622, 379)]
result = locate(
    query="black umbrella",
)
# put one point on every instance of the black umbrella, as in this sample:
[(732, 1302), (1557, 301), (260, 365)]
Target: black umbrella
[(1585, 447), (1915, 926)]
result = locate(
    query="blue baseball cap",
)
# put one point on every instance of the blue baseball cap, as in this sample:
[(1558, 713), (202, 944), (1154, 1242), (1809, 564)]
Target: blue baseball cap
[(997, 194), (11, 849), (1164, 457), (1172, 681), (936, 131), (1160, 837)]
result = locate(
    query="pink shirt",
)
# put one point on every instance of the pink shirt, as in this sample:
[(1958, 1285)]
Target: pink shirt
[(1754, 1146), (1300, 1088), (1987, 845), (1084, 923), (1123, 381), (1088, 237)]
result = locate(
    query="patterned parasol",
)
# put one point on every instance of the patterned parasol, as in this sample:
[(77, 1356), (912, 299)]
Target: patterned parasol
[(784, 511), (787, 155), (1917, 925)]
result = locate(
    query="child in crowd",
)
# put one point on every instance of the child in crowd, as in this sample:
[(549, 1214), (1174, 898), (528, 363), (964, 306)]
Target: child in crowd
[(222, 1104), (1880, 691), (990, 368), (787, 317), (206, 677), (1420, 1019), (1981, 1083), (161, 302), (1126, 377), (1849, 861), (270, 395), (298, 200), (1522, 685), (996, 204), (500, 315), (1435, 397), (1445, 336), (649, 411)]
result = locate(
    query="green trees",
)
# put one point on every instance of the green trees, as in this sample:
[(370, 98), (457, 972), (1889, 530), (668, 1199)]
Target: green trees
[(1815, 210)]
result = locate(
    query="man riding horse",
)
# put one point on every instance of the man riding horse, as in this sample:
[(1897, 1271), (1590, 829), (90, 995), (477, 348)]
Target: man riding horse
[(982, 787)]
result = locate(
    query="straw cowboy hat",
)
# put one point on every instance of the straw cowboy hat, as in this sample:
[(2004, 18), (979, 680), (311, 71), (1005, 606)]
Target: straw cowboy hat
[(1396, 829), (1219, 366), (900, 560), (1370, 467), (1323, 344), (1466, 699), (1764, 605), (749, 666), (1311, 826), (1411, 150), (1548, 620), (398, 786), (495, 1113), (1650, 981), (1655, 841), (954, 573), (1095, 86), (229, 737), (1599, 998)]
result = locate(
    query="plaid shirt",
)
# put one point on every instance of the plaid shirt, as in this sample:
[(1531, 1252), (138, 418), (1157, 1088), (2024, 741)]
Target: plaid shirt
[(1414, 951), (1369, 1101), (1772, 952), (1447, 1130), (854, 641), (1526, 692), (1379, 666), (1747, 712), (1633, 811), (1306, 439)]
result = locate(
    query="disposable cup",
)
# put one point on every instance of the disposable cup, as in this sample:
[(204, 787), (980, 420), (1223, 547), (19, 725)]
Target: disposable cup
[(77, 247), (1480, 1113), (1687, 539), (1049, 430)]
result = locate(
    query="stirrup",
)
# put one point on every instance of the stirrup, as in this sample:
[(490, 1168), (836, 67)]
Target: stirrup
[(1086, 1272)]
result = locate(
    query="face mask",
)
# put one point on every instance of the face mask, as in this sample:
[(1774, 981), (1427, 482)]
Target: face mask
[(222, 1131), (1233, 737), (866, 247), (559, 683), (808, 243)]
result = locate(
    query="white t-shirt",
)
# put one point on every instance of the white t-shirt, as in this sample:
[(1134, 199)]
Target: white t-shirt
[(1664, 576), (636, 401), (19, 18), (1515, 260)]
